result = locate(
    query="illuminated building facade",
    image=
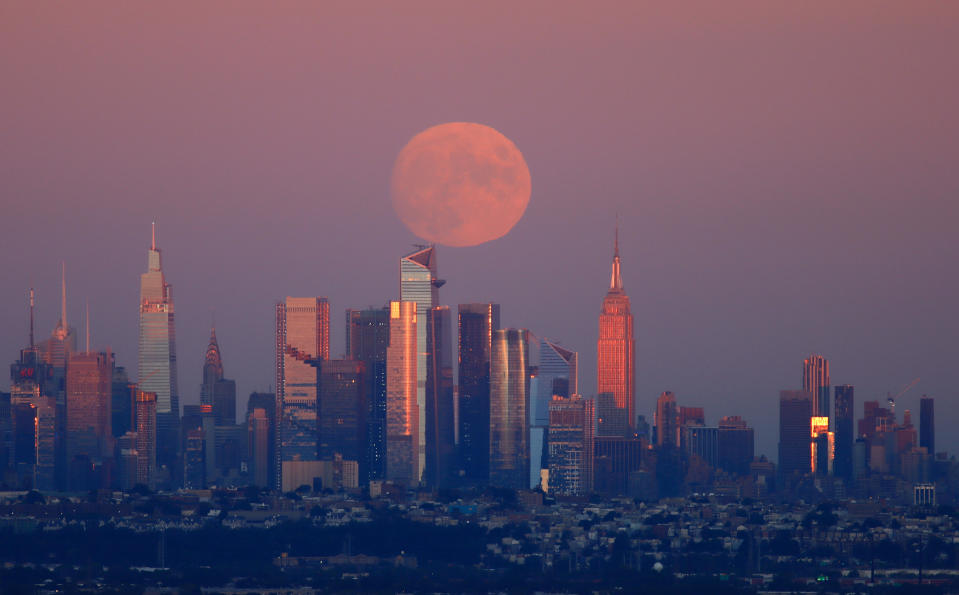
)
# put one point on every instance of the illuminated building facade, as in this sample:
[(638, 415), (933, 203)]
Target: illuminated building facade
[(822, 445), (815, 381), (402, 408), (509, 407), (615, 349), (146, 438), (367, 338), (156, 354), (89, 391), (570, 442), (476, 325), (302, 340), (419, 284)]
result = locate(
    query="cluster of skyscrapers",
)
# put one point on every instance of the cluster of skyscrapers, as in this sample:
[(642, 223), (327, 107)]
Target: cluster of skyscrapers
[(422, 396)]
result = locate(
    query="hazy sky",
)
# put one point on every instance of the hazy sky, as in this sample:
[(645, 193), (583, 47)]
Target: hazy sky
[(787, 176)]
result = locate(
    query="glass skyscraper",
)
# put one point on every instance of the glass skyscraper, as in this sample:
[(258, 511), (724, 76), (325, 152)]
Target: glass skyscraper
[(556, 376), (440, 429), (509, 407), (157, 370), (402, 409), (418, 283), (367, 338), (815, 381), (477, 323), (302, 340), (616, 349)]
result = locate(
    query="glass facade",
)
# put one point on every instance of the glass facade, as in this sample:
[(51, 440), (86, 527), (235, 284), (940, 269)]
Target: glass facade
[(476, 324), (402, 408), (302, 340), (342, 411), (367, 338), (509, 407), (556, 375), (440, 434), (815, 381), (157, 370), (418, 283), (89, 388), (570, 441)]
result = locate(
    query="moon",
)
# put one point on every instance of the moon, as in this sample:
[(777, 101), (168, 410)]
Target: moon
[(460, 184)]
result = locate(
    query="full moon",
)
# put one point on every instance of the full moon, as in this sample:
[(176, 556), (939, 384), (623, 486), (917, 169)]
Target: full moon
[(460, 184)]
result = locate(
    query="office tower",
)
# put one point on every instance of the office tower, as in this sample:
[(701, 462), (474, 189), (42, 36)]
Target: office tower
[(55, 352), (570, 442), (402, 409), (476, 323), (341, 411), (146, 438), (822, 445), (815, 381), (121, 403), (611, 420), (367, 337), (216, 390), (45, 472), (927, 424), (63, 340), (127, 458), (615, 459), (440, 430), (509, 406), (230, 450), (736, 445), (667, 421), (845, 435), (263, 471), (157, 371), (795, 408), (194, 455), (302, 340), (89, 392), (689, 416), (703, 442), (258, 439), (418, 283), (556, 375), (615, 349)]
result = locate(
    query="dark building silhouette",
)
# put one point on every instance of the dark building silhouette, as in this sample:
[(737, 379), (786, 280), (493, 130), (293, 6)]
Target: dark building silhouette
[(341, 411), (89, 435), (121, 403), (795, 408), (261, 439), (509, 409), (611, 420), (736, 445), (440, 431), (927, 424), (614, 459), (367, 337), (217, 391), (476, 325), (845, 407), (667, 421)]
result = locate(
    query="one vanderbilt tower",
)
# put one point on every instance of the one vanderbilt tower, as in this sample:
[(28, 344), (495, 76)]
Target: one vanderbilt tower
[(157, 354), (615, 350)]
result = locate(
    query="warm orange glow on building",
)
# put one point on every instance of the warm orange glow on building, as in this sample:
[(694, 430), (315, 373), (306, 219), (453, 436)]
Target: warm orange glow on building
[(615, 349), (402, 410)]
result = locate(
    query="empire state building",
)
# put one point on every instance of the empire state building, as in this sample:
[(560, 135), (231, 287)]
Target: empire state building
[(616, 357)]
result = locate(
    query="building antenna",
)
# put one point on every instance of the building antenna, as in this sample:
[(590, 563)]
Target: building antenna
[(153, 237), (63, 294), (31, 318)]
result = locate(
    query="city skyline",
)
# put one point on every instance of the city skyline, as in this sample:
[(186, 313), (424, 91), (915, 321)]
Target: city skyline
[(772, 203)]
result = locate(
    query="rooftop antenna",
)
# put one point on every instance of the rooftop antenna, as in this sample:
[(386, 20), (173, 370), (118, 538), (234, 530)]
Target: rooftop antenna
[(153, 238), (88, 325), (31, 319)]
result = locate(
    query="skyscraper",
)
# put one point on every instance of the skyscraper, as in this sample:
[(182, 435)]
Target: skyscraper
[(146, 438), (570, 445), (367, 338), (927, 424), (216, 390), (795, 409), (440, 429), (157, 371), (615, 349), (736, 445), (477, 323), (667, 421), (402, 409), (341, 411), (89, 435), (261, 439), (815, 381), (556, 376), (845, 434), (509, 407), (418, 283), (302, 340)]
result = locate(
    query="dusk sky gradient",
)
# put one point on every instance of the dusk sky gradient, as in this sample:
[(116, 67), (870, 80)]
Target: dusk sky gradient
[(787, 177)]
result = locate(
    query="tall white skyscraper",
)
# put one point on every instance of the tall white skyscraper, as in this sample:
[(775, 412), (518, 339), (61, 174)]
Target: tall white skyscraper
[(157, 353)]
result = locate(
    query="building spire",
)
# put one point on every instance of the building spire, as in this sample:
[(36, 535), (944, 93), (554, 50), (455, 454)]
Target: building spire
[(31, 319), (153, 238), (63, 294), (616, 279)]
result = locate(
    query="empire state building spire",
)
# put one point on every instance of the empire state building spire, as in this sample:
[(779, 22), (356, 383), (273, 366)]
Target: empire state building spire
[(616, 279)]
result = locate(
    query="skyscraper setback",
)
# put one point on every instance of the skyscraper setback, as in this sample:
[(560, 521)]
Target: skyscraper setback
[(615, 349), (302, 339), (157, 371)]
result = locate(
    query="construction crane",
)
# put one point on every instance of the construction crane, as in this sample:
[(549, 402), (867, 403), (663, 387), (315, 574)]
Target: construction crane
[(892, 398)]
